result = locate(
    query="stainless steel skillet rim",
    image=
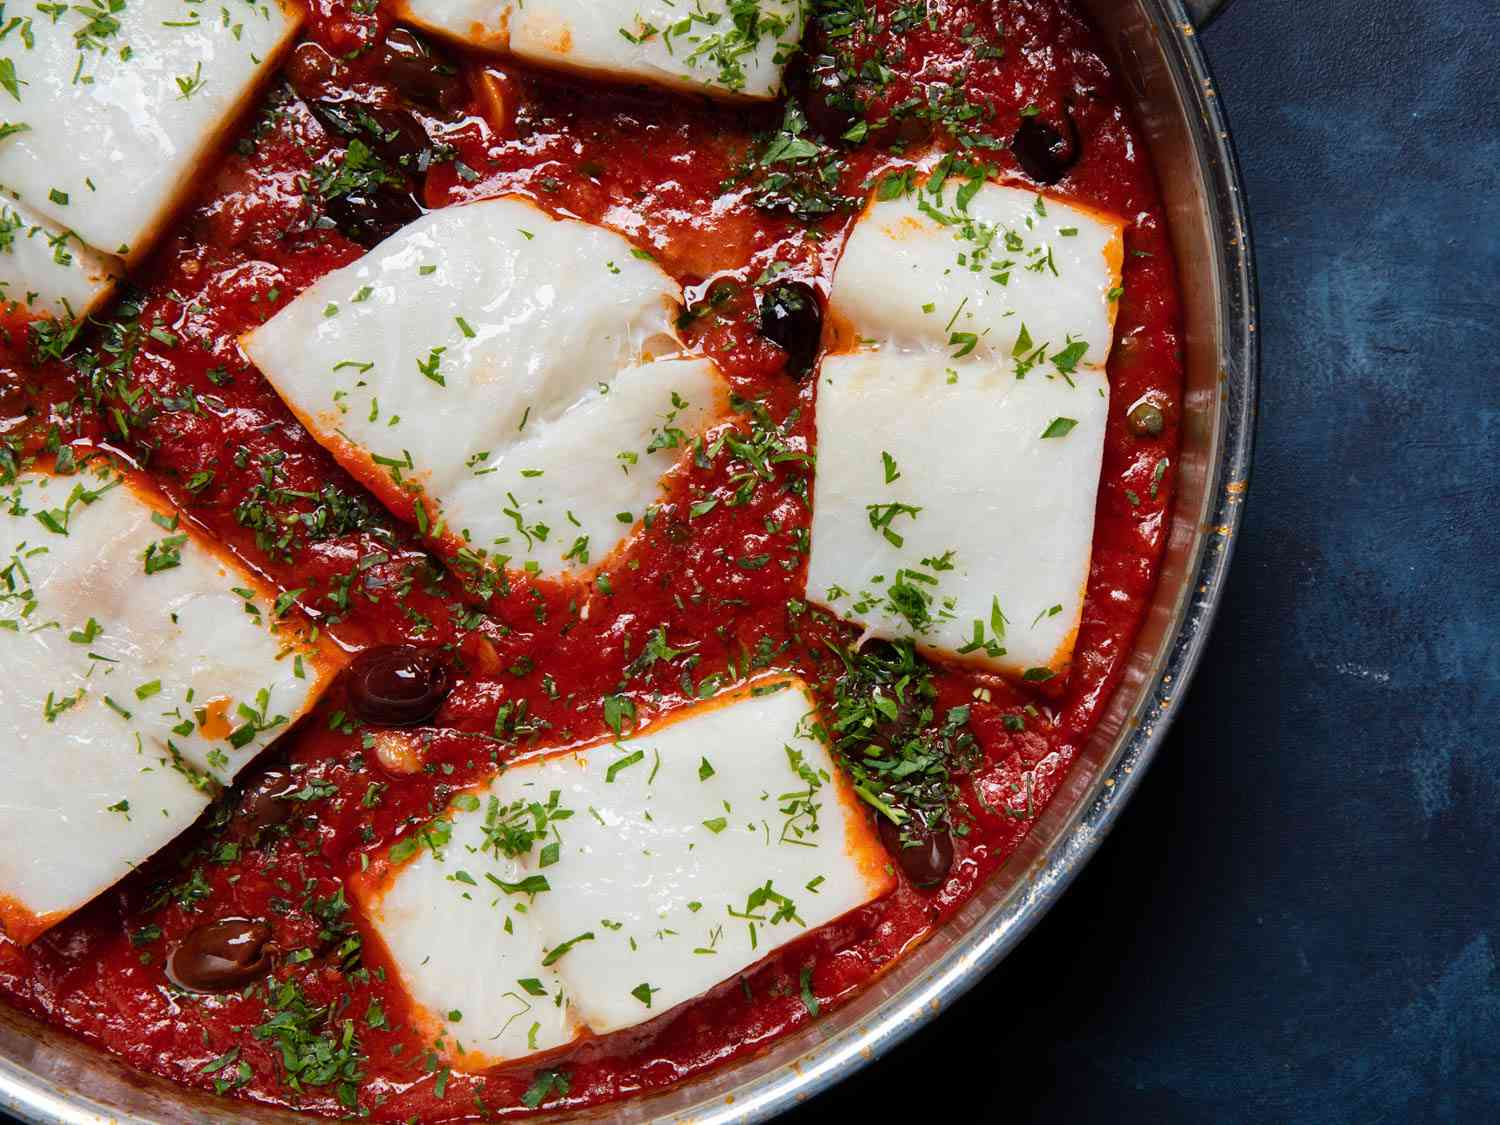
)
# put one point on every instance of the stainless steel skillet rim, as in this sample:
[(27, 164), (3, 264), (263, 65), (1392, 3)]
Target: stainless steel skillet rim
[(43, 1074)]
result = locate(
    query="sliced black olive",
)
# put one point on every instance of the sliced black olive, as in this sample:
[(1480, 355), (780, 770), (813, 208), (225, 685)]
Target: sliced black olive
[(1146, 419), (393, 133), (791, 317), (924, 855), (420, 73), (265, 804), (222, 956), (1044, 154), (398, 685), (370, 217)]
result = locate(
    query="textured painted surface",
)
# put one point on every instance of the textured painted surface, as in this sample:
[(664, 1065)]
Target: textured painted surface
[(1298, 919)]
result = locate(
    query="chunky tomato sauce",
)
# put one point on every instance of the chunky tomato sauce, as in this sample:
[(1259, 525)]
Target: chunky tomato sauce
[(168, 389)]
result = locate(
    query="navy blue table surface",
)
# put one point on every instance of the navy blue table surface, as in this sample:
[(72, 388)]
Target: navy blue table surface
[(1297, 920)]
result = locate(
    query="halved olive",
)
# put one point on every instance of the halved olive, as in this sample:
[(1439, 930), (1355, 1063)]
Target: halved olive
[(792, 318), (398, 685), (222, 956), (265, 803), (925, 856)]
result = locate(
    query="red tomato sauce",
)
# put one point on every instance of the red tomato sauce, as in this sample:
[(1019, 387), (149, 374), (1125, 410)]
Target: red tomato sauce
[(664, 170)]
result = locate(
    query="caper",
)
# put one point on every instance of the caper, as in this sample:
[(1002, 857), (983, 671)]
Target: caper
[(1146, 419)]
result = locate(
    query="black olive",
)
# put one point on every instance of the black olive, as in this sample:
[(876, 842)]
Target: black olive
[(1045, 155), (905, 129), (312, 71), (928, 856), (336, 115), (792, 318), (393, 133), (222, 956), (897, 729), (398, 685), (397, 136), (265, 803), (1147, 419), (831, 108), (420, 73), (369, 217)]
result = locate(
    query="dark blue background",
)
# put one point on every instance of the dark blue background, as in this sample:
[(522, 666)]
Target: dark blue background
[(1298, 918)]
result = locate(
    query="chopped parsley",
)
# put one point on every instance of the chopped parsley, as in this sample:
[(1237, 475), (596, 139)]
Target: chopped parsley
[(901, 755)]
